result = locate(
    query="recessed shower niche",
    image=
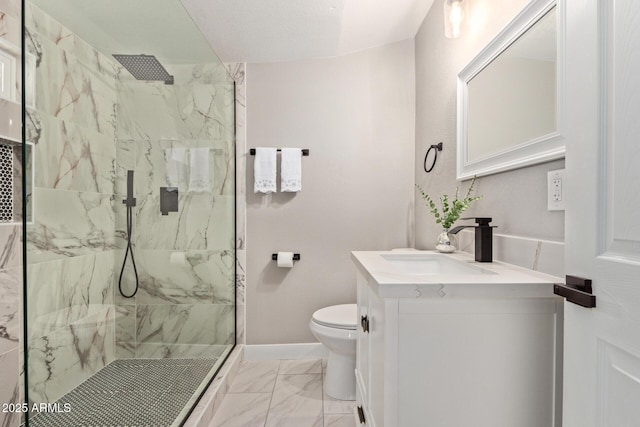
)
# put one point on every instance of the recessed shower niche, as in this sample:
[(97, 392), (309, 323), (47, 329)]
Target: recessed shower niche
[(6, 183), (11, 181)]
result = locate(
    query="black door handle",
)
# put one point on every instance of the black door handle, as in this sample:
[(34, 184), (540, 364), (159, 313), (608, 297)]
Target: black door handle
[(577, 290)]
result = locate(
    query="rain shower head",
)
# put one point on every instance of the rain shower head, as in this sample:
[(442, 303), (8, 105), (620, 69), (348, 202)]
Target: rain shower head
[(145, 67)]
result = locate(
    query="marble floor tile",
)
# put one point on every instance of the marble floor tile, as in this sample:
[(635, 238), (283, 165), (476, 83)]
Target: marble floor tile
[(258, 376), (297, 401), (337, 407), (339, 421), (331, 405), (304, 366), (243, 410), (293, 420), (296, 397)]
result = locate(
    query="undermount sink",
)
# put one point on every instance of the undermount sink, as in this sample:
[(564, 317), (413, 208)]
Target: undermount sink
[(432, 264)]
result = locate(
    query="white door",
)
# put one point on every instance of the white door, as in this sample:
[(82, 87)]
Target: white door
[(602, 344)]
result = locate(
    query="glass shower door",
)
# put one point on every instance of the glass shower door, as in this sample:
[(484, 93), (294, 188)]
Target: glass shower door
[(103, 341)]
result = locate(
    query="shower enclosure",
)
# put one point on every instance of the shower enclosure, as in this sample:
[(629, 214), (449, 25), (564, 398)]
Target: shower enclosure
[(106, 343)]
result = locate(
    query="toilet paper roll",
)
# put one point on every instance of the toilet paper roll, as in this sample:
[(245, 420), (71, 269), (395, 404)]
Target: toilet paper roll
[(178, 258), (285, 259)]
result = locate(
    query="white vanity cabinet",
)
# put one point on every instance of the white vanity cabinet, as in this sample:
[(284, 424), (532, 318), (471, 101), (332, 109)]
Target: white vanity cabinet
[(440, 354), (373, 351)]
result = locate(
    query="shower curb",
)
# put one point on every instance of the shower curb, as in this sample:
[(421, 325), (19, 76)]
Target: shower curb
[(204, 411)]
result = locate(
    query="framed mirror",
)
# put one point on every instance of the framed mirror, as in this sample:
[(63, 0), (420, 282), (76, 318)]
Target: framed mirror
[(510, 96)]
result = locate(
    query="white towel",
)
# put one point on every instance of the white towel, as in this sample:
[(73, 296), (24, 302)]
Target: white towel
[(264, 170), (291, 170), (200, 173), (176, 163)]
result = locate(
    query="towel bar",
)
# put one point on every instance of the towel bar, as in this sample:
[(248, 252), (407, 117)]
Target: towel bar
[(305, 151)]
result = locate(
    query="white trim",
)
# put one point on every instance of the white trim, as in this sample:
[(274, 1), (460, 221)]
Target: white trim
[(541, 149), (286, 351)]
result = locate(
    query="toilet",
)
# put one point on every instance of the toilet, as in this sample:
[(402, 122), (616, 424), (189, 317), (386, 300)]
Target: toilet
[(335, 327)]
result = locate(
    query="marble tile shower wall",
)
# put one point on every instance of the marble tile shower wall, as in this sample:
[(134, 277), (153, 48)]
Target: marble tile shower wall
[(185, 260), (11, 389), (71, 242), (76, 237)]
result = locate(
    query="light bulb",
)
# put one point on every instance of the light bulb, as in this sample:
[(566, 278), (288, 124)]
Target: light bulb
[(454, 11), (455, 17)]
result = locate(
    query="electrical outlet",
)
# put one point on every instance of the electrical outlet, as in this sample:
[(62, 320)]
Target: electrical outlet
[(555, 190)]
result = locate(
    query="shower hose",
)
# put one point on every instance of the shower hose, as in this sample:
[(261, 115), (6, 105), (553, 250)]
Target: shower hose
[(126, 254)]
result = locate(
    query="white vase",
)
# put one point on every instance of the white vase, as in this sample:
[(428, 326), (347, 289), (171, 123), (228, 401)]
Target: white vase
[(445, 242)]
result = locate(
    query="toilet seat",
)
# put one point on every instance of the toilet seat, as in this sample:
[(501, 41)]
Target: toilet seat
[(343, 316)]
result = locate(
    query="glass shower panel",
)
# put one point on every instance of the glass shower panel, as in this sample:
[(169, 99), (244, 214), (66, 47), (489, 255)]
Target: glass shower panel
[(92, 125), (70, 241), (185, 259)]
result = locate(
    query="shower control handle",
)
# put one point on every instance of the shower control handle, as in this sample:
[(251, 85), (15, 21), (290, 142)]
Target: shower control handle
[(364, 322), (130, 201)]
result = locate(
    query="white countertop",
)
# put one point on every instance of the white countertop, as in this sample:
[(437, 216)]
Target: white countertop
[(494, 280)]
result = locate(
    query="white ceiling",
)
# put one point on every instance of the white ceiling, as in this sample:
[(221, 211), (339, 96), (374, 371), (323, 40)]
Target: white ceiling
[(238, 30), (155, 27), (286, 30)]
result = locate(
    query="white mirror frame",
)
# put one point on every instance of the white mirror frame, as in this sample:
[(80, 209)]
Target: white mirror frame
[(542, 149)]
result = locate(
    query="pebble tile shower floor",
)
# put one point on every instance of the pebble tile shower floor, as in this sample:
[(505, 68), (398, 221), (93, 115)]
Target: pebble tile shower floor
[(130, 393)]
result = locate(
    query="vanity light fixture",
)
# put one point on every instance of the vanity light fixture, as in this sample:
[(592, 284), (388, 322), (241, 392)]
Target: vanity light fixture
[(454, 15)]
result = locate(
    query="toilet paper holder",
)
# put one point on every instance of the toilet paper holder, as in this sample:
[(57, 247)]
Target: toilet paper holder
[(274, 257)]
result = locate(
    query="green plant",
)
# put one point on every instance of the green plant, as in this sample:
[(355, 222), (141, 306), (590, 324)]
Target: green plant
[(451, 209)]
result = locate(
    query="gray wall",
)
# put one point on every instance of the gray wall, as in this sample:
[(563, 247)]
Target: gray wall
[(356, 115), (516, 200)]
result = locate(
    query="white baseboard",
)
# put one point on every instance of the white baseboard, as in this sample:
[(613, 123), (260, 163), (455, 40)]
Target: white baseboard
[(314, 350)]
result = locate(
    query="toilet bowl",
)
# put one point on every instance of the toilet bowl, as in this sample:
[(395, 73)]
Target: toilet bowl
[(335, 327)]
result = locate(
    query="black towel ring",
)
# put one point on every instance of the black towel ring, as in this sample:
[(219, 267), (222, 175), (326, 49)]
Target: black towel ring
[(437, 147)]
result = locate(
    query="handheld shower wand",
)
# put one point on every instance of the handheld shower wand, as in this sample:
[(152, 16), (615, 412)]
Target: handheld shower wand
[(130, 202)]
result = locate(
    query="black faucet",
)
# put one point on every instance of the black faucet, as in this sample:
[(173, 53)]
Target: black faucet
[(484, 238)]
